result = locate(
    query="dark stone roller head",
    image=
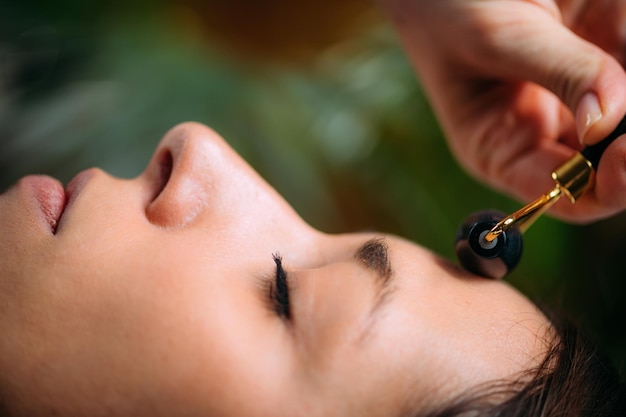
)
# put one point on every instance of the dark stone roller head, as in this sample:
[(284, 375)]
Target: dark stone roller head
[(490, 259)]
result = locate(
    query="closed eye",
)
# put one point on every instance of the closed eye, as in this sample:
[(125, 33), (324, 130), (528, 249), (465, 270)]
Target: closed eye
[(279, 289)]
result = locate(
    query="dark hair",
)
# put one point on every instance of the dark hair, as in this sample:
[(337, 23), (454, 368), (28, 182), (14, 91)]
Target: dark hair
[(573, 380)]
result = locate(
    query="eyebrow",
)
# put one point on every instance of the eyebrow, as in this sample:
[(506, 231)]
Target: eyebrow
[(374, 255)]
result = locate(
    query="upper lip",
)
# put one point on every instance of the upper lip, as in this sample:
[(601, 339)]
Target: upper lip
[(73, 189)]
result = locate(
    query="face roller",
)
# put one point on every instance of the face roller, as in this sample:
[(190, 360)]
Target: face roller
[(489, 243)]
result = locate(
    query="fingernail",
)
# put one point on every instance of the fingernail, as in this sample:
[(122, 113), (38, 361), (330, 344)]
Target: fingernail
[(587, 114)]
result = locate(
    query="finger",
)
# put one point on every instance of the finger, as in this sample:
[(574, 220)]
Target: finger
[(529, 176), (522, 151), (530, 43), (607, 195)]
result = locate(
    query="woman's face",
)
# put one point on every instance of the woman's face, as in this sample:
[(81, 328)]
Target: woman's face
[(164, 295)]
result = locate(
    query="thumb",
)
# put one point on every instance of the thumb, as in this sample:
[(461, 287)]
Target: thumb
[(537, 47)]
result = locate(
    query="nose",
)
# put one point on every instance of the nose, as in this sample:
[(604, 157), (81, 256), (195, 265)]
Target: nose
[(209, 182), (181, 170)]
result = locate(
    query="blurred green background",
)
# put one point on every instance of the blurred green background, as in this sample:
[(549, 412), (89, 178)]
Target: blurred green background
[(318, 97)]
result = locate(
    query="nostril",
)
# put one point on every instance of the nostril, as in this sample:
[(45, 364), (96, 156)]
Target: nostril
[(165, 164)]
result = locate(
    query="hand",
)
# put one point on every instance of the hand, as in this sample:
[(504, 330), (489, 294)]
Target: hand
[(519, 85)]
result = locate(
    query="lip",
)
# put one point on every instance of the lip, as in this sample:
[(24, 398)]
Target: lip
[(50, 197), (54, 200)]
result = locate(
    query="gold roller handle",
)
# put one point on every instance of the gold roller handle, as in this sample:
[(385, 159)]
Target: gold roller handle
[(572, 179)]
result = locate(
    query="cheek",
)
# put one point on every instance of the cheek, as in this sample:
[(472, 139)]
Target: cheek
[(233, 355), (106, 325), (181, 340)]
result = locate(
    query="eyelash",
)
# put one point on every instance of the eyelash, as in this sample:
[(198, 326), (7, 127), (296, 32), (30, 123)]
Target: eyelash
[(279, 289)]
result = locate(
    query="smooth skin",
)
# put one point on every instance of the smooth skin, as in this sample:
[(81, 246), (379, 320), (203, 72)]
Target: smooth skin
[(150, 298), (518, 85)]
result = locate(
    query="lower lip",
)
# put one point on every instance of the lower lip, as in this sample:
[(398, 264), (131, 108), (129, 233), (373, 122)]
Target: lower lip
[(50, 197)]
